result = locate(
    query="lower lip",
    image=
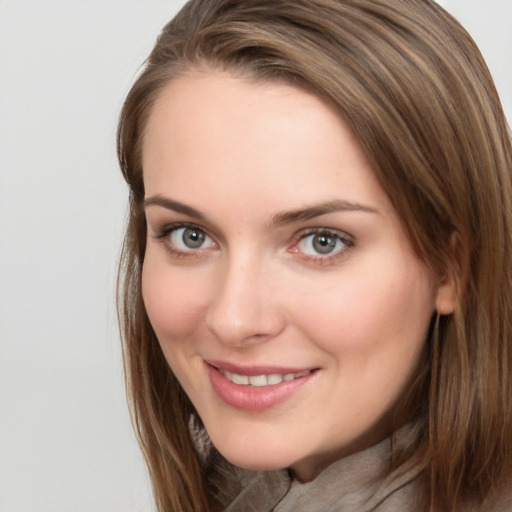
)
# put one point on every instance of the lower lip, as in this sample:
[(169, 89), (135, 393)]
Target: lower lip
[(253, 398)]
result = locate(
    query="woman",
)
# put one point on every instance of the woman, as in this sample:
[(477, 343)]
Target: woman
[(316, 277)]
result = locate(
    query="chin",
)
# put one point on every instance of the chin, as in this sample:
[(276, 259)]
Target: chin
[(256, 456)]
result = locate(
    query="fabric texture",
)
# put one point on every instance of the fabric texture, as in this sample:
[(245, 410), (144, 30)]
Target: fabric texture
[(352, 484)]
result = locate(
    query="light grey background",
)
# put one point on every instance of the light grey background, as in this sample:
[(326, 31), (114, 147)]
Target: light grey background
[(66, 443)]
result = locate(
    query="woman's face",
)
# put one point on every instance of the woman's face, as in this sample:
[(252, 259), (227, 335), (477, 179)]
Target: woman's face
[(278, 278)]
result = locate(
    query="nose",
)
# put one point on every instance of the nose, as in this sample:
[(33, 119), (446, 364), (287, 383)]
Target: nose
[(244, 308)]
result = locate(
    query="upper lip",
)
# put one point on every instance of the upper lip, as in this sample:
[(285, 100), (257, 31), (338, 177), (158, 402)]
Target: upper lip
[(253, 370)]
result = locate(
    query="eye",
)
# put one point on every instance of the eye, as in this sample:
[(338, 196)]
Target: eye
[(189, 238), (183, 240), (323, 244)]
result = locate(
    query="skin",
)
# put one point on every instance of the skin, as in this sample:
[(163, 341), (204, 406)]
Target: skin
[(256, 292)]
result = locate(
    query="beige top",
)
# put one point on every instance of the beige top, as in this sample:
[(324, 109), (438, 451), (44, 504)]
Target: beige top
[(349, 485), (352, 484)]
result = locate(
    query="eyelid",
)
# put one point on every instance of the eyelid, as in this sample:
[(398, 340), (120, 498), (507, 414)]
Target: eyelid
[(347, 240), (164, 233), (173, 226)]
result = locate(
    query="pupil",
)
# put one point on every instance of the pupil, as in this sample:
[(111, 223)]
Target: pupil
[(324, 244), (193, 238)]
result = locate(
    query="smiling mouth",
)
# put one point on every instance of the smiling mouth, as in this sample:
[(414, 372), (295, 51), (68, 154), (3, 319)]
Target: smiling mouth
[(262, 380), (256, 388)]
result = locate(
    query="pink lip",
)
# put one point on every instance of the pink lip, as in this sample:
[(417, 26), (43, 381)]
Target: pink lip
[(253, 370), (251, 398)]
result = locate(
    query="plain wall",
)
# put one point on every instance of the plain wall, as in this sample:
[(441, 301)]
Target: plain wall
[(66, 443)]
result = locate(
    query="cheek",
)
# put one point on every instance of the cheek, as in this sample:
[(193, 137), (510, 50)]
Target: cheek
[(373, 328), (174, 300), (372, 314)]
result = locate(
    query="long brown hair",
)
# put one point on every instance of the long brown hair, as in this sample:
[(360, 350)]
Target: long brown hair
[(414, 89)]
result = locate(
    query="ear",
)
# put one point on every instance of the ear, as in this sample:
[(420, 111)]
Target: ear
[(446, 296), (448, 290)]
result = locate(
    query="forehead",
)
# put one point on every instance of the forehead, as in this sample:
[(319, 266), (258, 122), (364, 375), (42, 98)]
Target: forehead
[(200, 103), (243, 139)]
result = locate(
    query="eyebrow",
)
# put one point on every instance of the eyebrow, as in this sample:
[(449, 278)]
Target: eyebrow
[(310, 212), (279, 219), (175, 206)]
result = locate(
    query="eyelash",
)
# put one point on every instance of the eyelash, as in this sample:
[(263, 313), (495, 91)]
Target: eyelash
[(165, 233), (348, 242)]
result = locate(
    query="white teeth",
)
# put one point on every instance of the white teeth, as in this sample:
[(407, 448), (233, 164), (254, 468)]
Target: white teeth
[(240, 379), (258, 380), (274, 378), (263, 380)]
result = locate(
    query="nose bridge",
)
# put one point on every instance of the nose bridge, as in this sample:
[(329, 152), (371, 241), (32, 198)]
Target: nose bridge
[(242, 307)]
